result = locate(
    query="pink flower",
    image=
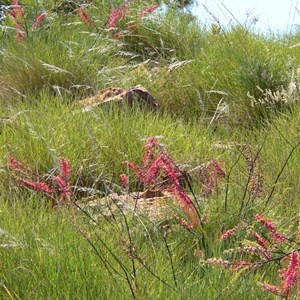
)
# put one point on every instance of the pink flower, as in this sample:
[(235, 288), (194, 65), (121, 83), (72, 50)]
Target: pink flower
[(124, 181), (64, 188), (271, 227), (38, 20), (148, 10), (260, 240), (65, 169), (84, 16), (16, 11), (37, 186), (228, 233), (270, 288), (113, 18), (132, 27), (291, 274)]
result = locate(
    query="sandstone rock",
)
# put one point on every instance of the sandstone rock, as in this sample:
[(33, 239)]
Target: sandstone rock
[(156, 205), (138, 94)]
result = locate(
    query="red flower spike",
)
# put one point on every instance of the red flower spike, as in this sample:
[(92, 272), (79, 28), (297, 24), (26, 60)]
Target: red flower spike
[(113, 18), (38, 20), (15, 165), (84, 16), (124, 181), (16, 11), (132, 27), (270, 288), (151, 145), (271, 227), (65, 169), (148, 10), (260, 240), (64, 187), (37, 186), (240, 264), (291, 274), (151, 172), (228, 233), (156, 161)]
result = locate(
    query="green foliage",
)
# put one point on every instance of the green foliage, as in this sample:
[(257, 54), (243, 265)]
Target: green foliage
[(224, 94)]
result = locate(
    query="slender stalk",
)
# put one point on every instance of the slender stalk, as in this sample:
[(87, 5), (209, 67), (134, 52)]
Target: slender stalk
[(280, 172), (164, 235)]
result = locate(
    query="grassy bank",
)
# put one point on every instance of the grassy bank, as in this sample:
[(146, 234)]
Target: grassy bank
[(226, 148)]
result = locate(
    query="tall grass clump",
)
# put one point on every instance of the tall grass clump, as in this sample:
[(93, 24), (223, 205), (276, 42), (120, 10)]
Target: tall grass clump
[(61, 56), (99, 140)]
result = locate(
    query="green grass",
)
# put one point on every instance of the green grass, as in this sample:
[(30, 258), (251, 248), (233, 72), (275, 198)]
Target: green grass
[(219, 94), (52, 260)]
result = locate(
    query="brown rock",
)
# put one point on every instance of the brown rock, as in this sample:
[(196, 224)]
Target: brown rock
[(137, 94), (156, 205)]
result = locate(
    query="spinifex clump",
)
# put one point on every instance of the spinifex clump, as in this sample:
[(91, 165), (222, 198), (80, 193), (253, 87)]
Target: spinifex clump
[(159, 167)]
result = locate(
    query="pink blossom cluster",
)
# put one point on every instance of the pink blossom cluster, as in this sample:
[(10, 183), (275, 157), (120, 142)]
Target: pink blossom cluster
[(84, 16), (266, 249), (60, 186), (120, 13), (290, 277), (157, 164), (17, 15), (271, 227)]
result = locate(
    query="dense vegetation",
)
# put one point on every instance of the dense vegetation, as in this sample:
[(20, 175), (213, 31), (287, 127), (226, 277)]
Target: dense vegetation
[(226, 134)]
